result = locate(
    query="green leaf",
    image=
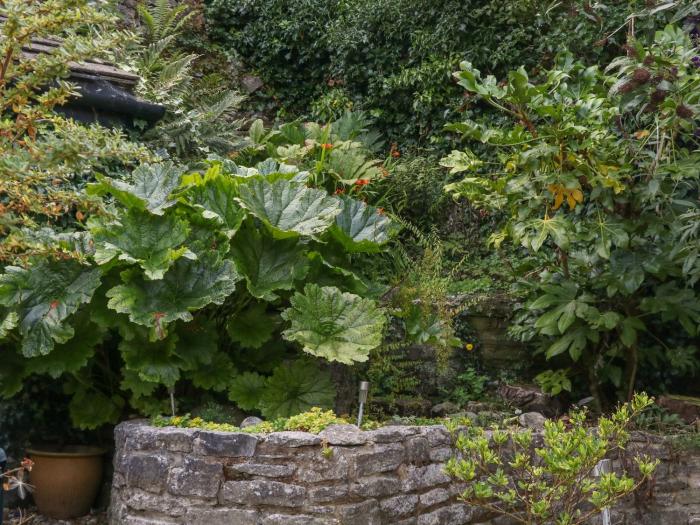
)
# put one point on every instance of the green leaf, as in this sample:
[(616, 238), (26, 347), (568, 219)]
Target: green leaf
[(246, 390), (334, 325), (268, 264), (151, 190), (351, 165), (459, 161), (289, 208), (9, 321), (153, 361), (360, 228), (89, 408), (630, 327), (216, 197), (188, 286), (44, 297), (295, 388), (154, 242), (215, 375), (252, 327), (73, 355)]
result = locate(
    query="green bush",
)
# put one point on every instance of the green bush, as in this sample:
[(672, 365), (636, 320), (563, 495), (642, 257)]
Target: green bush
[(597, 174), (394, 57)]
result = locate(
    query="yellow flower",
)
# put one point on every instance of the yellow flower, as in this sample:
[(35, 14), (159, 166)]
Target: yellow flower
[(469, 347)]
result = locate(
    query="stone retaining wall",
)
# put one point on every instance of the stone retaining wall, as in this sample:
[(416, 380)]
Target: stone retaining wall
[(343, 476)]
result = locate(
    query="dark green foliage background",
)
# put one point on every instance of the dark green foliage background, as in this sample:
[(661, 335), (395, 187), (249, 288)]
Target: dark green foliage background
[(394, 58)]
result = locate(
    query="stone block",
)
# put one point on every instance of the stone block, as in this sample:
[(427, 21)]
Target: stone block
[(321, 468), (175, 439), (262, 492), (380, 458), (434, 497), (196, 478), (391, 434), (219, 516), (292, 439), (419, 478), (229, 444), (364, 513), (437, 435), (259, 469), (344, 435), (298, 519), (417, 450), (147, 472), (457, 514), (375, 486), (398, 506), (441, 454), (140, 500), (326, 493)]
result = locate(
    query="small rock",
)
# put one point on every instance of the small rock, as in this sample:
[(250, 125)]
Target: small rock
[(533, 420), (530, 398), (251, 83), (251, 421), (688, 408), (443, 409)]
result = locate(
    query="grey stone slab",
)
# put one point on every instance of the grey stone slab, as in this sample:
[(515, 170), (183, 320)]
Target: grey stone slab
[(229, 444), (343, 435), (196, 477), (262, 492), (220, 516), (146, 471)]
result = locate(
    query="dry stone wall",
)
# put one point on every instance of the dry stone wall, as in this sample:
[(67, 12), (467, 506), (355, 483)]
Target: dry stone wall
[(344, 476)]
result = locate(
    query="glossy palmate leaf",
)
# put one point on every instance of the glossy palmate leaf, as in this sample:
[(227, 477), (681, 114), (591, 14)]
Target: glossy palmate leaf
[(289, 208), (188, 286), (252, 327), (44, 297), (151, 190), (335, 325)]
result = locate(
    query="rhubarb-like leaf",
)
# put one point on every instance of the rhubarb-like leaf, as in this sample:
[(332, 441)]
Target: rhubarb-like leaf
[(246, 390), (268, 264), (361, 228), (216, 196), (295, 388), (154, 242), (252, 327), (188, 286), (335, 325), (44, 297), (289, 208), (152, 187)]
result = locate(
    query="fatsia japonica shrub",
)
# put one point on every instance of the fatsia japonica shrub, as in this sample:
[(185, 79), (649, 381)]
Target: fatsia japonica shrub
[(598, 175), (231, 279)]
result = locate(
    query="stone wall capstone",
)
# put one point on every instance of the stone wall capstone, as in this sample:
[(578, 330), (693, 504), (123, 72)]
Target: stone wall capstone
[(343, 476)]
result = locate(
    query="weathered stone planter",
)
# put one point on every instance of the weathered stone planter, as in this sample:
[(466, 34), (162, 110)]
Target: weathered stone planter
[(389, 476)]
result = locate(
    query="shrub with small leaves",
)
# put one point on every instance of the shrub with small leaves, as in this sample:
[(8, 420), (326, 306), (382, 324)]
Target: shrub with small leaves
[(550, 478)]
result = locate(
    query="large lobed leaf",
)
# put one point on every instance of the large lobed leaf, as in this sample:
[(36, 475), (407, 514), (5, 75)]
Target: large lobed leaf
[(268, 264), (154, 242), (151, 190), (335, 325), (216, 197), (186, 287), (295, 388), (289, 208), (44, 296), (361, 228)]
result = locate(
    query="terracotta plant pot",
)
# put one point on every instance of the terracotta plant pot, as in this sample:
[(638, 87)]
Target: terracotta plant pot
[(66, 481)]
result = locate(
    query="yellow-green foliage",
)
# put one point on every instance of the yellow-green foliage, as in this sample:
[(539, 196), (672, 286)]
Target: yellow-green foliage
[(314, 421)]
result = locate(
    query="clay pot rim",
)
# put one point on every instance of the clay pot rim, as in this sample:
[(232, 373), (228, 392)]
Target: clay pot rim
[(75, 451)]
